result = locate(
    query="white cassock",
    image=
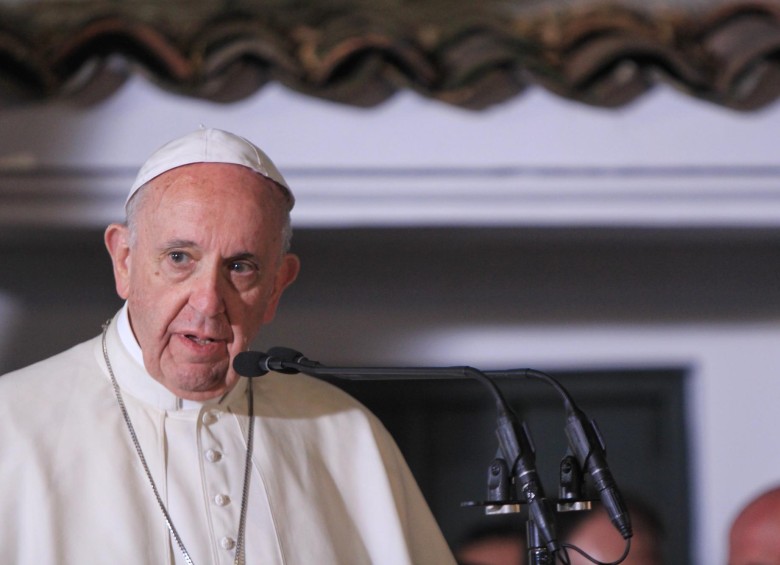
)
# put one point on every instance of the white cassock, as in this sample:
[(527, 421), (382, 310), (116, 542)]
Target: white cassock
[(328, 485)]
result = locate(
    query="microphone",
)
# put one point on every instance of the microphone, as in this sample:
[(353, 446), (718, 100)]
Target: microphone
[(278, 359), (589, 448), (514, 439), (287, 360), (516, 445), (251, 364)]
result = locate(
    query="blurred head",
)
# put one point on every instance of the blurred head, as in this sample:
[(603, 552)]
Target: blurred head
[(754, 539), (493, 544), (595, 534), (202, 263)]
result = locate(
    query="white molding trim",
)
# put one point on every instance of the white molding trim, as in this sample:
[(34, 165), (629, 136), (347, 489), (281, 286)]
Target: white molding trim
[(512, 196)]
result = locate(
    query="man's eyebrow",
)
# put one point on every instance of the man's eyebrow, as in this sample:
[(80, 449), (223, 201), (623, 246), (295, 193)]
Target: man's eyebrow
[(174, 243), (243, 255)]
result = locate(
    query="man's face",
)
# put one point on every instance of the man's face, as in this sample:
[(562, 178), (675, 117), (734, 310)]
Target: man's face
[(205, 271)]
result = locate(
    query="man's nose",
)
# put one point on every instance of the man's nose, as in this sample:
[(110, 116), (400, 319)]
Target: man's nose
[(208, 292)]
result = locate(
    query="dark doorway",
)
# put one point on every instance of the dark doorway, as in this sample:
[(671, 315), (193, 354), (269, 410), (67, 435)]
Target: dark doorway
[(446, 429)]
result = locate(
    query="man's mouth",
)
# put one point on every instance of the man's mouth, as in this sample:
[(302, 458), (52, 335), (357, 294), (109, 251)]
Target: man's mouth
[(200, 340)]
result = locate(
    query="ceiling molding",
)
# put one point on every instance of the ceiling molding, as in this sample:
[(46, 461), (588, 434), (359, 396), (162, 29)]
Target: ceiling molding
[(463, 53), (565, 196)]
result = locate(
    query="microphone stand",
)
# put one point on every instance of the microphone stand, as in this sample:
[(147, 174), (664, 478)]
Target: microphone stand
[(538, 553), (516, 453), (500, 500)]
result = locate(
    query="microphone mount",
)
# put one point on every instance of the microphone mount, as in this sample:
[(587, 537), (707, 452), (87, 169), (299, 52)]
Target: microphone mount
[(516, 451)]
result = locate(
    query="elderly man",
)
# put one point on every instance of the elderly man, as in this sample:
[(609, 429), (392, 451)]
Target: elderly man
[(143, 445), (754, 539)]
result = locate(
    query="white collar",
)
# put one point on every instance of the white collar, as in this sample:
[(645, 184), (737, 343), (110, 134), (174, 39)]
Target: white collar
[(127, 337)]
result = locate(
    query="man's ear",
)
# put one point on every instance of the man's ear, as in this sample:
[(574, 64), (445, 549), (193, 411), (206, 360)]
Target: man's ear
[(287, 273), (117, 240)]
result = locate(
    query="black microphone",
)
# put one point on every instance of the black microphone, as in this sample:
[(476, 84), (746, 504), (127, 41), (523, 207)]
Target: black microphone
[(519, 453), (251, 364), (514, 439), (278, 359), (289, 360), (588, 446)]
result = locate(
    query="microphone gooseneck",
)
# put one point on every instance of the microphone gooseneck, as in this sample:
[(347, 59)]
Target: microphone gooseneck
[(514, 440)]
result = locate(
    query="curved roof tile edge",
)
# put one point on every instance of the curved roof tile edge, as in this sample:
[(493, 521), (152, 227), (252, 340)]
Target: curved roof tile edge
[(605, 57)]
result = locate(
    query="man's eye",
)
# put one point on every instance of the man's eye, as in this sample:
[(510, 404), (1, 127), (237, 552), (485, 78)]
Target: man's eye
[(177, 257), (241, 267)]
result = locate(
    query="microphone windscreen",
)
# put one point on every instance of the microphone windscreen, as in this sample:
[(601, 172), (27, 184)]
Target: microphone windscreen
[(250, 364)]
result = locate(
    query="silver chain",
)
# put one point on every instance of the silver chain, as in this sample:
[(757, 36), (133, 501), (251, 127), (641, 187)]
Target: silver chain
[(239, 558)]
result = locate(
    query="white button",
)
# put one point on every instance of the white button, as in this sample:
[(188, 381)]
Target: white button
[(213, 455), (227, 543), (222, 500), (209, 417)]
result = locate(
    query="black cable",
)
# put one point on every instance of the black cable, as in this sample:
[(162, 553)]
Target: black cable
[(596, 561)]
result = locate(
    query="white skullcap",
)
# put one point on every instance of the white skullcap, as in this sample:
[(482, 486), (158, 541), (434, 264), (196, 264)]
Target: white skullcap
[(208, 145)]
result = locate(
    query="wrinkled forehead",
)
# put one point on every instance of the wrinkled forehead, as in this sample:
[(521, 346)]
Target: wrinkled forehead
[(225, 205)]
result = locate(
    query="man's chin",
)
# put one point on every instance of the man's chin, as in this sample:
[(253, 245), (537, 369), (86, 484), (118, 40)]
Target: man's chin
[(200, 394), (197, 385)]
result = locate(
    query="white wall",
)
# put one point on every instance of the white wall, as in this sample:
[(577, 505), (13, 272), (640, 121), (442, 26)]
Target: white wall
[(538, 160)]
